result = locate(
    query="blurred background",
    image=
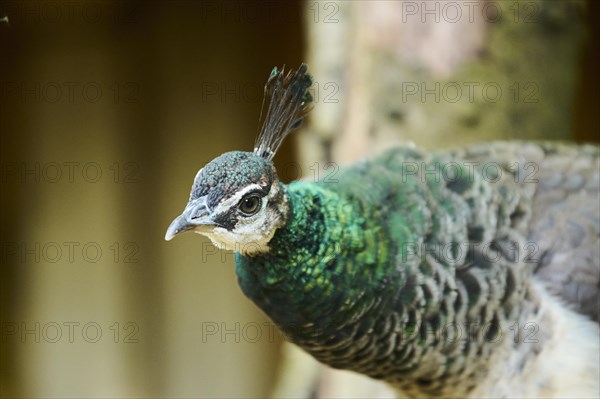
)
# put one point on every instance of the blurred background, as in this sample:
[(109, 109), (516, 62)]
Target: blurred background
[(109, 108)]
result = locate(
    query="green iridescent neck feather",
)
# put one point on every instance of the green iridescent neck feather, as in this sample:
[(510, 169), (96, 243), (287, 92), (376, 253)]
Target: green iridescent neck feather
[(349, 277)]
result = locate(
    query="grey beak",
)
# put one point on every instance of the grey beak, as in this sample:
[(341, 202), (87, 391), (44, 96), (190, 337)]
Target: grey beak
[(177, 226), (195, 216)]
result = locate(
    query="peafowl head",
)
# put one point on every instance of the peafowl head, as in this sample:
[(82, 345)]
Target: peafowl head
[(237, 200)]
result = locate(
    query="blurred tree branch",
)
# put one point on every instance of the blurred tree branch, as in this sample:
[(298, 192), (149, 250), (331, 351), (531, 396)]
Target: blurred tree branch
[(432, 73)]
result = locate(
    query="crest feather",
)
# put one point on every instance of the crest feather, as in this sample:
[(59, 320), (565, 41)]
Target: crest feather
[(288, 103)]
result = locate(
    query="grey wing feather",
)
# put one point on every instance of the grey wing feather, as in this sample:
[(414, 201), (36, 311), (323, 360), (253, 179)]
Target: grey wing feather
[(565, 225), (559, 213)]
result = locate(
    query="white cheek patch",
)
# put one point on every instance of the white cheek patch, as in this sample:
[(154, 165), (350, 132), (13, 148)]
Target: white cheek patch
[(251, 234), (247, 244)]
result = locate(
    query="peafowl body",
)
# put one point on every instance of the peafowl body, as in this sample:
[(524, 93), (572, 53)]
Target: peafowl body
[(471, 272)]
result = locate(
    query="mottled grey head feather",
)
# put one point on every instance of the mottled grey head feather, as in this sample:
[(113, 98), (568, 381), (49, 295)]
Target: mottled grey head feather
[(288, 100)]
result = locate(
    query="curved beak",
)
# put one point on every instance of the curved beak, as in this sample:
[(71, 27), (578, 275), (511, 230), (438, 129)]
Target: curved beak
[(196, 216)]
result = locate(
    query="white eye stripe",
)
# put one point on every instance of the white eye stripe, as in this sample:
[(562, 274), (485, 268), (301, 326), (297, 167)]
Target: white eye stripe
[(236, 198), (198, 174), (195, 180)]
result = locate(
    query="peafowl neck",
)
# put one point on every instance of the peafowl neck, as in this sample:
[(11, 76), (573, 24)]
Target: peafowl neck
[(350, 282), (320, 264)]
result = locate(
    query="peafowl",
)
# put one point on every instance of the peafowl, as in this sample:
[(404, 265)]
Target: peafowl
[(470, 272)]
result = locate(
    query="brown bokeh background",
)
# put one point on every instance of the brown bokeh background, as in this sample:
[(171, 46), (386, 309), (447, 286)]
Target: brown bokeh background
[(143, 93)]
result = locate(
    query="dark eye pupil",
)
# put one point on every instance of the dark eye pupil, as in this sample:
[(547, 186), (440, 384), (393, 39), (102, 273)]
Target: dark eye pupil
[(249, 205)]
